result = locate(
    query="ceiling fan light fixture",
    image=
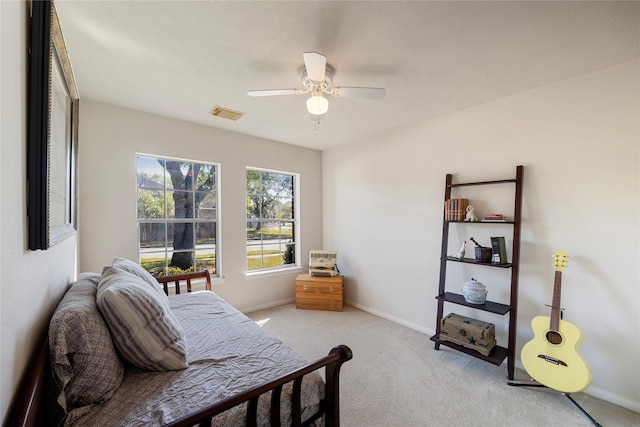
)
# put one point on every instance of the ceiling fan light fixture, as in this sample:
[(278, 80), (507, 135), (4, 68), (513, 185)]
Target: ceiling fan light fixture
[(317, 105)]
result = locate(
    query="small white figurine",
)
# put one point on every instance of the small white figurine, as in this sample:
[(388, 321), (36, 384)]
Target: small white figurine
[(460, 254), (470, 216)]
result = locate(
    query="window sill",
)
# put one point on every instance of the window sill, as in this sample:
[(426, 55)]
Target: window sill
[(217, 281), (274, 272)]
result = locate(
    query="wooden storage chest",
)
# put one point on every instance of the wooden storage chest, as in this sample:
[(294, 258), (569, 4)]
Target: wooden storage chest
[(319, 293), (469, 333)]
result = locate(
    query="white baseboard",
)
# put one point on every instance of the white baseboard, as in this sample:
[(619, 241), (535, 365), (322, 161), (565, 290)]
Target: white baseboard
[(410, 325), (270, 304), (613, 398), (591, 391)]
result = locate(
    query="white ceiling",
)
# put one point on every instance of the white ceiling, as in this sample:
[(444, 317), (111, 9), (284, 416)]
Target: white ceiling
[(180, 58)]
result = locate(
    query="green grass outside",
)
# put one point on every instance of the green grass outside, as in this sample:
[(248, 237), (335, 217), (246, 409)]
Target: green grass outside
[(265, 262), (157, 265), (269, 252), (268, 233), (148, 245)]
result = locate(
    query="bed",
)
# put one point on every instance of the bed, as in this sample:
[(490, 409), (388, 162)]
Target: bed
[(236, 373)]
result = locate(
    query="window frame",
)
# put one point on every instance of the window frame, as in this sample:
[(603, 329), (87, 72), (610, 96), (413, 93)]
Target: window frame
[(168, 220), (295, 211)]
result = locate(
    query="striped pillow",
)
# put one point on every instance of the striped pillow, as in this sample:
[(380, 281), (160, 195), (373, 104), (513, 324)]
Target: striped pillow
[(134, 268), (143, 327)]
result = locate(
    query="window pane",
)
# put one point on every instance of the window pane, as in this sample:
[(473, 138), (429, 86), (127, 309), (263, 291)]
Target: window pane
[(180, 235), (152, 236), (286, 185), (271, 184), (270, 230), (150, 204), (205, 234), (286, 207), (154, 262), (206, 177), (272, 258), (255, 231), (254, 259), (179, 204), (269, 207), (252, 223), (206, 204), (180, 175), (253, 182), (150, 172), (286, 231), (289, 253), (206, 258), (180, 261)]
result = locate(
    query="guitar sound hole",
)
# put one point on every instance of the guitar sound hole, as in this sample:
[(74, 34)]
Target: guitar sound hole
[(554, 338)]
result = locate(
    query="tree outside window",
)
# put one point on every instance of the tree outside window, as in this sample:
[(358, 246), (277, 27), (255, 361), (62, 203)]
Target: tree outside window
[(271, 219), (177, 203)]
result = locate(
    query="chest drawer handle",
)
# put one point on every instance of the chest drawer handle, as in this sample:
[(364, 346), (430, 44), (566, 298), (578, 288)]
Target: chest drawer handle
[(305, 287), (331, 288)]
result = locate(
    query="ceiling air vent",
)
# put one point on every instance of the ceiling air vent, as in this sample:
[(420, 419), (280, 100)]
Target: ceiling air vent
[(225, 113)]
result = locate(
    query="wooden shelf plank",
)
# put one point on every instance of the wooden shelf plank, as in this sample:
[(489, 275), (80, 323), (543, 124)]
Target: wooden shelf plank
[(496, 357), (490, 306), (481, 222), (499, 181), (475, 261)]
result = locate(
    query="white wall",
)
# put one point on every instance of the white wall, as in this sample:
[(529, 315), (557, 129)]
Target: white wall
[(579, 143), (111, 136), (31, 283)]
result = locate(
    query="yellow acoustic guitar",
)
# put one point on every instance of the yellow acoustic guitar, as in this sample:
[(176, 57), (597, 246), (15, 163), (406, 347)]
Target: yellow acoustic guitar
[(551, 357)]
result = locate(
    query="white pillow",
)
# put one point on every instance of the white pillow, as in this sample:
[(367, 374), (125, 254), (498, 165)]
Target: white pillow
[(143, 327), (136, 269)]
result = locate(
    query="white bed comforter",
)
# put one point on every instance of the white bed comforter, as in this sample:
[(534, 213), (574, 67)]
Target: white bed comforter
[(227, 353)]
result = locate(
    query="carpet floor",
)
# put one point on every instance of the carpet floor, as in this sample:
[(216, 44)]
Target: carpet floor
[(397, 378)]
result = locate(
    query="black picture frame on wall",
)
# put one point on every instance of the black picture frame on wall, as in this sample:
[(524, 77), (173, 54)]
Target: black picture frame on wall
[(52, 132)]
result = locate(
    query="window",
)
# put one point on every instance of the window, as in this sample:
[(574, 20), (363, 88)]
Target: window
[(177, 215), (271, 220)]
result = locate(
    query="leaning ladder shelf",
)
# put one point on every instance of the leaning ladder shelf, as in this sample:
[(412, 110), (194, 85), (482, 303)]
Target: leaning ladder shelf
[(498, 354)]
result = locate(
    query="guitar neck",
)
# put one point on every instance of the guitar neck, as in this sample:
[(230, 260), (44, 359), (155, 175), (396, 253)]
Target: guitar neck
[(555, 304)]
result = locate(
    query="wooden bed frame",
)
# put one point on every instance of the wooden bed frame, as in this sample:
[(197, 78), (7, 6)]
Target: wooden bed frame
[(29, 407)]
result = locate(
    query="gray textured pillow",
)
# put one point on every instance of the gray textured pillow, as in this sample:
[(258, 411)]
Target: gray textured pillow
[(137, 270), (143, 327), (85, 366)]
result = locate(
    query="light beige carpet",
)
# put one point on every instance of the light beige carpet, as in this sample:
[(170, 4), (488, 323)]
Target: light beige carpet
[(397, 378)]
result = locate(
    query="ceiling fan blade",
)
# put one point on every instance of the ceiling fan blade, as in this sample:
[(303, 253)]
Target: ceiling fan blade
[(274, 92), (316, 65), (359, 92)]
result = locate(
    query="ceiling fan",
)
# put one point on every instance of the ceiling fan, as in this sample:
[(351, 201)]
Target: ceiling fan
[(317, 77)]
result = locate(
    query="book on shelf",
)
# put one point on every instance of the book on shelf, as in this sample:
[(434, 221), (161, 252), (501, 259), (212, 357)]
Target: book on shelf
[(494, 217), (499, 249), (455, 209)]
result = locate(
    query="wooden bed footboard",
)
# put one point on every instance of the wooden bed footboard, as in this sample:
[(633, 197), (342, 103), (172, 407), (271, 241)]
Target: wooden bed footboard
[(329, 407)]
